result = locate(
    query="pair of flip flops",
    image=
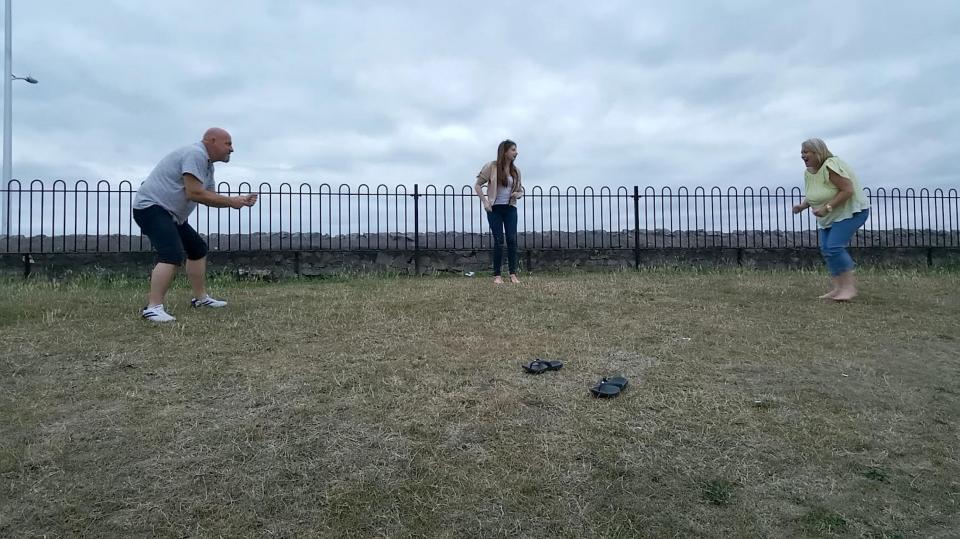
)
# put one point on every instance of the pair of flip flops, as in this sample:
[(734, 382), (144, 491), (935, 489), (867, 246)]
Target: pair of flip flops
[(605, 389), (609, 387), (540, 366)]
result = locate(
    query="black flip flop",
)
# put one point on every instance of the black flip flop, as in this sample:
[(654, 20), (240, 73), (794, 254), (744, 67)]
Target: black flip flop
[(536, 367), (618, 381), (552, 364), (605, 391), (609, 387)]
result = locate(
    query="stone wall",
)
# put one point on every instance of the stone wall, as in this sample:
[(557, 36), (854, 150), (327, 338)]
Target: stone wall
[(282, 264), (624, 239)]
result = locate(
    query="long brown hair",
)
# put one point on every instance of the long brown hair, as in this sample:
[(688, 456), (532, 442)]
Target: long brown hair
[(502, 164)]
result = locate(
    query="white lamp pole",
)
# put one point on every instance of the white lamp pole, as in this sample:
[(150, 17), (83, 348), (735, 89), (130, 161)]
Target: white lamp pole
[(7, 121), (8, 79)]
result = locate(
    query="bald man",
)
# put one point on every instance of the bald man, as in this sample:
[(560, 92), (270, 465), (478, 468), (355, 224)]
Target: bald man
[(181, 180)]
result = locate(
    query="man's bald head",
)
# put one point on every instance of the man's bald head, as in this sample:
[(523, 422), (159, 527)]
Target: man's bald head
[(215, 133), (219, 144)]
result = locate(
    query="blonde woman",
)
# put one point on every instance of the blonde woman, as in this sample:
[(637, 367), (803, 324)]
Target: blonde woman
[(841, 207), (502, 179)]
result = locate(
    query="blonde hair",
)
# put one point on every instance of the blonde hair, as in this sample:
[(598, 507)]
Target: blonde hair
[(819, 148)]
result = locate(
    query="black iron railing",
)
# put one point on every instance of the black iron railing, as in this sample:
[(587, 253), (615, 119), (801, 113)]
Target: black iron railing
[(96, 217)]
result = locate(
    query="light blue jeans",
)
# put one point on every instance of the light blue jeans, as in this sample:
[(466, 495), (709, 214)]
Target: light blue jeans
[(834, 241)]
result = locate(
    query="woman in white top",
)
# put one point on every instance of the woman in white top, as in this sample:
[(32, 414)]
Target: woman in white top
[(502, 179)]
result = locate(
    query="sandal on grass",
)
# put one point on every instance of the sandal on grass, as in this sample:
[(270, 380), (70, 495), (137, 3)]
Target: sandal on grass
[(536, 367), (552, 364), (609, 387), (539, 366)]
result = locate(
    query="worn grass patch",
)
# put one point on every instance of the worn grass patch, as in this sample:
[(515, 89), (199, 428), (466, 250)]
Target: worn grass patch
[(397, 407), (820, 520), (718, 491)]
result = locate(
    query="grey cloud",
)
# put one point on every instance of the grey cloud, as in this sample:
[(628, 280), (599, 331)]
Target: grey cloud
[(604, 93)]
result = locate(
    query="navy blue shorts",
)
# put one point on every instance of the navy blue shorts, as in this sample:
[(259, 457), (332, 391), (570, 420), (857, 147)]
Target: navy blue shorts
[(169, 239)]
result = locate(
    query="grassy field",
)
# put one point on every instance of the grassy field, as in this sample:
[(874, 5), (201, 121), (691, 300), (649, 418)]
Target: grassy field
[(396, 407)]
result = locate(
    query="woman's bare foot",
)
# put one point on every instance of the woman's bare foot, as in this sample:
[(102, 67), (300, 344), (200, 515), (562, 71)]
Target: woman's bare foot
[(497, 280), (847, 288), (845, 294), (514, 279), (834, 287)]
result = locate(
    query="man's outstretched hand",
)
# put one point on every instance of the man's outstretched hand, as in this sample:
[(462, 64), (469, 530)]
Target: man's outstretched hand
[(243, 201)]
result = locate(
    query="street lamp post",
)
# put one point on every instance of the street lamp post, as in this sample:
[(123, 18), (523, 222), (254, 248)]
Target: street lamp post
[(8, 79)]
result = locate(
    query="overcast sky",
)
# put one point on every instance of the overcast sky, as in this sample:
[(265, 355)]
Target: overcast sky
[(595, 93)]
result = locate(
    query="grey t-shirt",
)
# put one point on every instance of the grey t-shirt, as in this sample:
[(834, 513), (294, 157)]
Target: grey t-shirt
[(164, 186)]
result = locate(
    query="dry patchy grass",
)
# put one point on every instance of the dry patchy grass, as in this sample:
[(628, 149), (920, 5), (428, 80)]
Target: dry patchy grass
[(396, 407)]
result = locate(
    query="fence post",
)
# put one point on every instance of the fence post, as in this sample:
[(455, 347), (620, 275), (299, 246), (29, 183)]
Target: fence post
[(5, 212), (636, 226), (416, 228)]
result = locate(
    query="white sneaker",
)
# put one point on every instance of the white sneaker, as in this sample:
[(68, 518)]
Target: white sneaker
[(157, 314), (207, 301)]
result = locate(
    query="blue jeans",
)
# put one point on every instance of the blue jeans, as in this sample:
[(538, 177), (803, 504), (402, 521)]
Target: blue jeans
[(834, 241), (503, 222)]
